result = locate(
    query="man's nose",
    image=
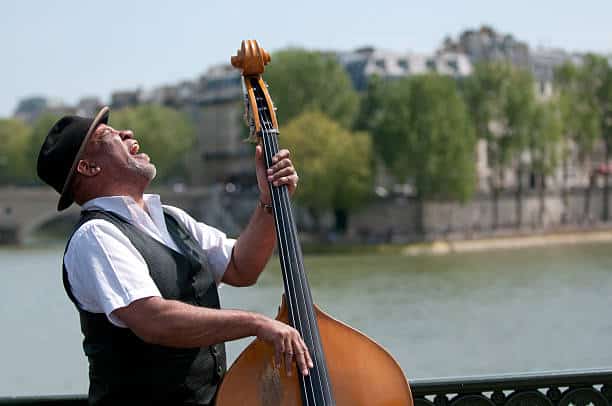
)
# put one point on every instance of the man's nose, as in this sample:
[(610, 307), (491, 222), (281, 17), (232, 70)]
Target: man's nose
[(127, 134)]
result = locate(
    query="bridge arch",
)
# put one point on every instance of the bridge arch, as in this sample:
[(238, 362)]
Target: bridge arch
[(24, 210)]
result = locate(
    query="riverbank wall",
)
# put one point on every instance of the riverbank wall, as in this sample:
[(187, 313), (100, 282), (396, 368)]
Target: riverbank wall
[(393, 220), (404, 220)]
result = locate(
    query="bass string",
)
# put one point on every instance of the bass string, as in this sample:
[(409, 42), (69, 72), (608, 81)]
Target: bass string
[(307, 387), (292, 299), (317, 392), (287, 210), (285, 265), (313, 333), (281, 196), (285, 217), (284, 236), (322, 373)]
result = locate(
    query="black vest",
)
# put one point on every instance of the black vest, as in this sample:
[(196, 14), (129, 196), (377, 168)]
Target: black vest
[(123, 369)]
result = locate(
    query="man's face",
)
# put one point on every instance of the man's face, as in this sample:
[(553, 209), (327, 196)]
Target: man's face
[(116, 152)]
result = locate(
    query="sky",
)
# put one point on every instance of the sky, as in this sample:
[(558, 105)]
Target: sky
[(65, 49)]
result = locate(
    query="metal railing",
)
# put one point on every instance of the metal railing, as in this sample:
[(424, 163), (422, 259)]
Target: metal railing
[(576, 388)]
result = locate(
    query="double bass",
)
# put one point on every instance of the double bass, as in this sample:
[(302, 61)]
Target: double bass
[(349, 368)]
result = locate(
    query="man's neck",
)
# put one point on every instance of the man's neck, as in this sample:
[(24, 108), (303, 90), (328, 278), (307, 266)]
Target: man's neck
[(141, 203), (136, 195), (134, 189)]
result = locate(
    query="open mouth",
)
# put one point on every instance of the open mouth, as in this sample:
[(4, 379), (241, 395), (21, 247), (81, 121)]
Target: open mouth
[(134, 148)]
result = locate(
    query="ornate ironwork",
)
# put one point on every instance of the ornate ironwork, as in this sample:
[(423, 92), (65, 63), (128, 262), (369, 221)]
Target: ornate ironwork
[(583, 397), (472, 400), (571, 388), (527, 398)]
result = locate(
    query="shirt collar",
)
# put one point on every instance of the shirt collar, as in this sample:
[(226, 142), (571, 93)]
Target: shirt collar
[(126, 207), (150, 220)]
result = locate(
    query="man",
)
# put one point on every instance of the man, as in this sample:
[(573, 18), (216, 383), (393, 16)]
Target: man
[(144, 276)]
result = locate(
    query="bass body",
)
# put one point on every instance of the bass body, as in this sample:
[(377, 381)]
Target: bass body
[(349, 369), (361, 371)]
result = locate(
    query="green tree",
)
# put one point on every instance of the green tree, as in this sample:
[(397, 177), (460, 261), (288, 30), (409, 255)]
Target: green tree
[(165, 134), (304, 80), (519, 110), (601, 73), (589, 87), (386, 113), (501, 99), (544, 142), (335, 169), (423, 134), (484, 92), (372, 104), (580, 118), (14, 143)]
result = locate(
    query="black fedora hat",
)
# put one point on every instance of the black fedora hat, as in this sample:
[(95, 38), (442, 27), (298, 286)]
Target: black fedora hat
[(62, 150)]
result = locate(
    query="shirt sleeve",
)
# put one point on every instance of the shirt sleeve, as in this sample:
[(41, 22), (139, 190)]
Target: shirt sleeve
[(217, 245), (105, 270)]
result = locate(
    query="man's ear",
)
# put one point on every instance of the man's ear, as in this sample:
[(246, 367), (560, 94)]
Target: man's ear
[(87, 168)]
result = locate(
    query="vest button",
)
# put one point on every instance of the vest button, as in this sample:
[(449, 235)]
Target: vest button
[(214, 351), (219, 370)]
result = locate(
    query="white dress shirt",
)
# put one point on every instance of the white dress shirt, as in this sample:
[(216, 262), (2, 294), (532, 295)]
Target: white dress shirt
[(105, 270)]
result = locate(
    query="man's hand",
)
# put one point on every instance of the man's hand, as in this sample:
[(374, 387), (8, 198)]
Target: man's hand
[(288, 344), (280, 173)]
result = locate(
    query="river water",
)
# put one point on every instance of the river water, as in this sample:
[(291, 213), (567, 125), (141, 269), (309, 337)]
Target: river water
[(462, 314)]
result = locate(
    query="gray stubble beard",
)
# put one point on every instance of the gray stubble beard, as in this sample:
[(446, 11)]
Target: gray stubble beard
[(146, 170)]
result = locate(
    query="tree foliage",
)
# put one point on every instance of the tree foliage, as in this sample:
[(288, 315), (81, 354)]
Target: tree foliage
[(165, 134), (600, 72), (545, 137), (585, 97), (501, 100), (304, 80), (580, 114), (14, 145), (334, 163), (422, 132), (597, 75)]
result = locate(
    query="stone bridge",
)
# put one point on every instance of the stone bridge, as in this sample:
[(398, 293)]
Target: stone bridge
[(23, 210)]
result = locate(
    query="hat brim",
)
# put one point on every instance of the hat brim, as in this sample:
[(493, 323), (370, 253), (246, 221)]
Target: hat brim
[(67, 198)]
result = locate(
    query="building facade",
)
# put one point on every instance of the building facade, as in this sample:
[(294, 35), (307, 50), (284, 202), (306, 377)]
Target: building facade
[(214, 101)]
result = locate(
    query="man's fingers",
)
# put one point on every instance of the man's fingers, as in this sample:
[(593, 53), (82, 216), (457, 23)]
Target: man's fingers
[(282, 176), (288, 347), (292, 181), (308, 358), (288, 362), (279, 349), (285, 163), (288, 357), (302, 364), (282, 154)]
